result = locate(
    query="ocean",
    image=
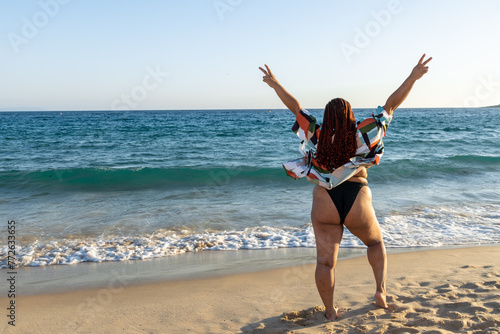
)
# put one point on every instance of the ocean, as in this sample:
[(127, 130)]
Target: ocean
[(94, 186)]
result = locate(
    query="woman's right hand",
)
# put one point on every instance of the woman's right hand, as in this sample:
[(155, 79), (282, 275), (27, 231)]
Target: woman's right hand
[(420, 69), (269, 77), (403, 91)]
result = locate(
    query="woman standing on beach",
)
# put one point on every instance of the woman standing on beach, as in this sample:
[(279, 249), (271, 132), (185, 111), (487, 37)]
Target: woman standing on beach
[(336, 156)]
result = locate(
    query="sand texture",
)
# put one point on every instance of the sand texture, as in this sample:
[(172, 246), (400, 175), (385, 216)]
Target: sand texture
[(438, 291)]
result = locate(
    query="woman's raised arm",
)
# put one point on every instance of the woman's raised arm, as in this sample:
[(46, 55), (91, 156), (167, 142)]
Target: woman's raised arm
[(404, 90), (289, 101)]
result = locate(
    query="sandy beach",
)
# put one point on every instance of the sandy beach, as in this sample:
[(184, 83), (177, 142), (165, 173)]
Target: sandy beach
[(437, 291)]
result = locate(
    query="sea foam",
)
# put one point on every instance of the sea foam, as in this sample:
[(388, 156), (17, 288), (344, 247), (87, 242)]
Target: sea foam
[(422, 227)]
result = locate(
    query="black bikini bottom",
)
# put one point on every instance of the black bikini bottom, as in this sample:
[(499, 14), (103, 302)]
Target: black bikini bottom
[(344, 195)]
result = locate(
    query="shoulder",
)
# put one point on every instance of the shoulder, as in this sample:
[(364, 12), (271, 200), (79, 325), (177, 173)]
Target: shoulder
[(305, 119), (382, 115), (380, 118), (305, 113), (383, 119)]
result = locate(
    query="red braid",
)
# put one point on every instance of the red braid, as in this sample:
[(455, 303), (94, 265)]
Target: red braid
[(339, 120)]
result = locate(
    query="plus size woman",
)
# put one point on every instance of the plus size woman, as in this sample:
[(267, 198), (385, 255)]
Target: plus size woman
[(335, 156)]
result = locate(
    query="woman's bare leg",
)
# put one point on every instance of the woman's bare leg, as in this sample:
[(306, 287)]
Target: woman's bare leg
[(378, 260), (362, 222), (327, 244), (328, 232)]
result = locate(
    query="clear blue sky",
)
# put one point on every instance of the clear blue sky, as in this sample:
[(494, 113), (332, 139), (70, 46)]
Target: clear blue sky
[(92, 54)]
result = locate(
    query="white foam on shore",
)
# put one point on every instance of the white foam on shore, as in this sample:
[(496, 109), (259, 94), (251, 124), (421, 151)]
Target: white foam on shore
[(159, 244), (422, 227), (443, 226)]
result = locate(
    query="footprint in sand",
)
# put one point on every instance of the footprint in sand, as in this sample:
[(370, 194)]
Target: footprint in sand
[(492, 274), (457, 325), (412, 315), (491, 283), (466, 294), (465, 307), (494, 305), (392, 329), (402, 299), (311, 316), (470, 286), (424, 284), (486, 325), (470, 267), (446, 288), (431, 295), (452, 315), (457, 305), (422, 322), (423, 310)]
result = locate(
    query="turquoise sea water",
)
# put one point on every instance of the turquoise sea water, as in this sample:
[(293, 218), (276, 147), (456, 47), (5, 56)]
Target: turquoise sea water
[(97, 186)]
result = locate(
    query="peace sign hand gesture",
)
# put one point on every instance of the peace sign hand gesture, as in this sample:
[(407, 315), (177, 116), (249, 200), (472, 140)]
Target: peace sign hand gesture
[(269, 77), (420, 69), (289, 101)]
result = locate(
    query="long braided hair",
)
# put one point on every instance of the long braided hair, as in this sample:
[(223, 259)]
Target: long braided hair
[(338, 120)]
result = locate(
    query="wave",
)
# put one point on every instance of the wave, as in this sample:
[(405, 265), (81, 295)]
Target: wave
[(102, 179), (417, 227), (158, 244), (419, 169), (136, 178)]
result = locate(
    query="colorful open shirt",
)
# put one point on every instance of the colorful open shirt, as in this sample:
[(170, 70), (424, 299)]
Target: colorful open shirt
[(370, 149)]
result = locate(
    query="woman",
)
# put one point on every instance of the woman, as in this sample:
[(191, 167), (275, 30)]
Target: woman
[(335, 156)]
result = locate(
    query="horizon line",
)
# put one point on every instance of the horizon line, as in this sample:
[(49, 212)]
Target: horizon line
[(218, 109)]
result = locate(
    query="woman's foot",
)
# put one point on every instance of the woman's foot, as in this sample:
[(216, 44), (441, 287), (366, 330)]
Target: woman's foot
[(380, 300), (332, 313)]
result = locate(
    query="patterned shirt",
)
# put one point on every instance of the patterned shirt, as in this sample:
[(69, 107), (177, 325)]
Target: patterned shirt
[(370, 149)]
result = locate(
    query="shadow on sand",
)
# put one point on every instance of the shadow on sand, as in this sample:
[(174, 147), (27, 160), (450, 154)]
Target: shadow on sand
[(312, 320)]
